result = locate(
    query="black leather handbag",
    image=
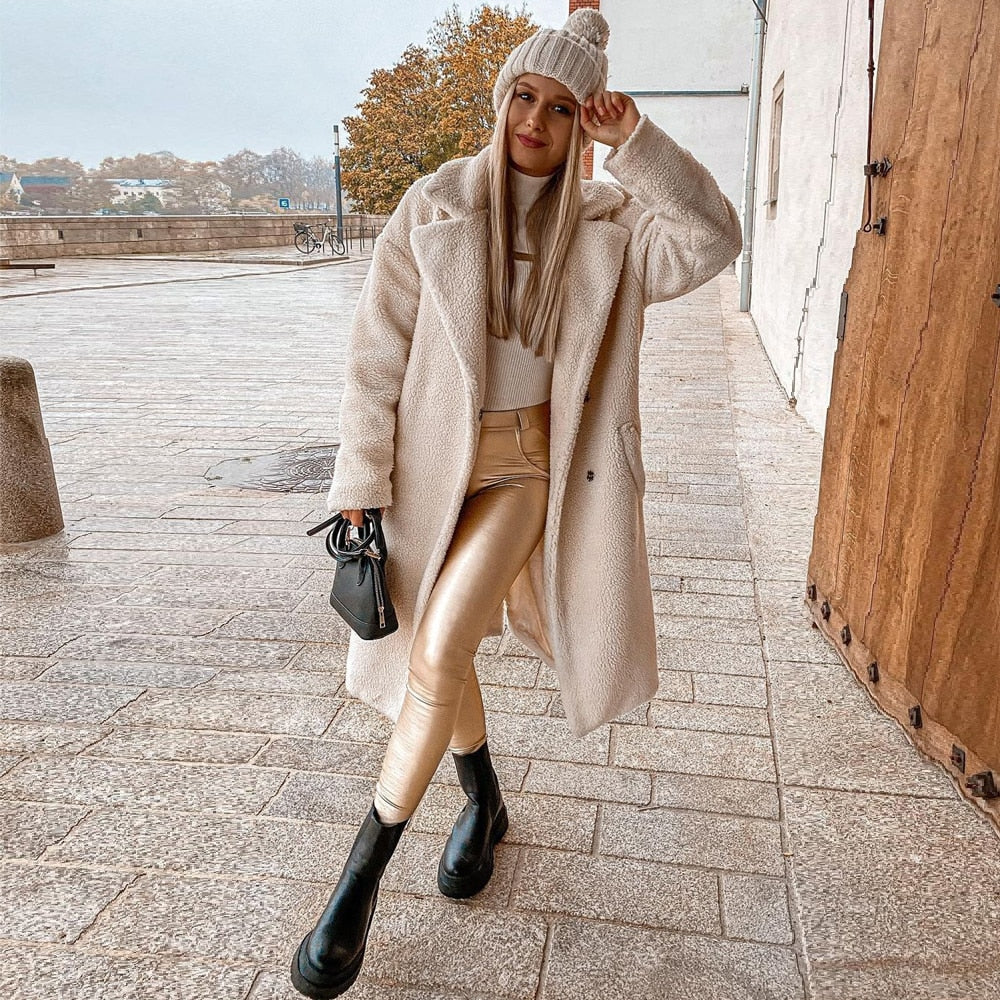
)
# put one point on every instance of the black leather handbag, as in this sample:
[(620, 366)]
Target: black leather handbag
[(359, 593)]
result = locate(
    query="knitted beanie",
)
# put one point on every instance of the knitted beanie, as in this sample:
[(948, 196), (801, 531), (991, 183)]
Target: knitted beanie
[(573, 55)]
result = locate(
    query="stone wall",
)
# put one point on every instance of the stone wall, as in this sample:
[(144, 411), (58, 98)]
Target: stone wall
[(31, 238)]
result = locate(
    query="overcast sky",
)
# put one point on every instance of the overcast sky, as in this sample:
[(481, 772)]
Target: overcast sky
[(201, 78)]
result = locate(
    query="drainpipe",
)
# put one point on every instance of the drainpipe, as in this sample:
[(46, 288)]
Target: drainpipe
[(750, 171)]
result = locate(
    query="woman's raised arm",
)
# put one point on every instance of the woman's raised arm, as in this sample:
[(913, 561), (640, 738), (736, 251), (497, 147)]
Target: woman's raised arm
[(684, 229)]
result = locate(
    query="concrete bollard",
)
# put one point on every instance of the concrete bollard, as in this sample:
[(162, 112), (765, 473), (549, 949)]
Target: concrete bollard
[(29, 497)]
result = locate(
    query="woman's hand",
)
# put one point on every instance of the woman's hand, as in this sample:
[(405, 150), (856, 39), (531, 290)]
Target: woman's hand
[(609, 116), (357, 517)]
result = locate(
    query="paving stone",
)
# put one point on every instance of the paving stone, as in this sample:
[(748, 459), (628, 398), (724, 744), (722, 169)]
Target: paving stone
[(38, 903), (80, 619), (241, 920), (638, 716), (889, 861), (48, 737), (723, 795), (675, 685), (321, 657), (631, 892), (725, 689), (358, 722), (675, 836), (756, 908), (829, 734), (437, 943), (545, 738), (23, 668), (548, 679), (281, 625), (706, 605), (243, 847), (415, 864), (141, 675), (691, 752), (908, 979), (629, 963), (330, 755), (181, 786), (75, 975), (205, 597), (684, 566), (28, 828), (707, 629), (34, 642), (326, 798), (35, 701), (710, 657), (709, 718), (708, 585), (537, 820), (193, 745), (806, 644), (588, 781), (277, 681), (174, 649), (276, 986), (240, 578), (517, 701), (203, 709)]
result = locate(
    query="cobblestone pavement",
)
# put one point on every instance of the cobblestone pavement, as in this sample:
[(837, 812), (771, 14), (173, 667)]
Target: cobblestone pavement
[(182, 773)]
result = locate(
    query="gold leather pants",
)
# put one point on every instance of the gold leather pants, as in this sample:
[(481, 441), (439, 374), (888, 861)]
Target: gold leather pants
[(501, 522)]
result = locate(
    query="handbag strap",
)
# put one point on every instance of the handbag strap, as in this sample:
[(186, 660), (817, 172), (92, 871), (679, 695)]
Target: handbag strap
[(342, 547)]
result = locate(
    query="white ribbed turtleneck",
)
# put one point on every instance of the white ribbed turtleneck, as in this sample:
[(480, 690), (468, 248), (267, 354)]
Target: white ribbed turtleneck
[(515, 377)]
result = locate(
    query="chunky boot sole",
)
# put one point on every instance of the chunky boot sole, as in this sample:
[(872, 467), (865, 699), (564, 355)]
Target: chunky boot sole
[(329, 987), (463, 886)]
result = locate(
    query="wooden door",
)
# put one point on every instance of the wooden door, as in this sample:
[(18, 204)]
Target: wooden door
[(905, 565)]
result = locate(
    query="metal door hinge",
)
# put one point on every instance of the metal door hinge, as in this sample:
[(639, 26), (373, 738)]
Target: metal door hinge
[(842, 319), (878, 168), (982, 785)]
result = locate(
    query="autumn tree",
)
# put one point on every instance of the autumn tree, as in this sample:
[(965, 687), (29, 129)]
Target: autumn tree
[(394, 138), (470, 55), (147, 166), (436, 103)]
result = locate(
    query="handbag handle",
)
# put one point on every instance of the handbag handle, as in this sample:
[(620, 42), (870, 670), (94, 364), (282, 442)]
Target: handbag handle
[(342, 547)]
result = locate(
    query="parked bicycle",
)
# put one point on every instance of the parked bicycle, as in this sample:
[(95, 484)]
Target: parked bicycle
[(306, 241)]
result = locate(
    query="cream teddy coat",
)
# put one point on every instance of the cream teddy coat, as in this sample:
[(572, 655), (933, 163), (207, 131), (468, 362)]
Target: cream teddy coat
[(412, 397)]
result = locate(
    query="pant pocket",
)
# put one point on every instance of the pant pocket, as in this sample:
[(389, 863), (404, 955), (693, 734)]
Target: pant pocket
[(533, 444)]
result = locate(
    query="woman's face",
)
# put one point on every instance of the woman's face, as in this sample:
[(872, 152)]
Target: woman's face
[(540, 123)]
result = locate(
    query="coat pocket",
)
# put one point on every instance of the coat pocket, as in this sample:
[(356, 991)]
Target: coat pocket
[(632, 445)]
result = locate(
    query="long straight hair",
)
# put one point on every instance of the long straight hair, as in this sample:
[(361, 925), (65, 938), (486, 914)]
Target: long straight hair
[(550, 225)]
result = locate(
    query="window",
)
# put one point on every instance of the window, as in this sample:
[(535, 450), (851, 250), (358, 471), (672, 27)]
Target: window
[(776, 109)]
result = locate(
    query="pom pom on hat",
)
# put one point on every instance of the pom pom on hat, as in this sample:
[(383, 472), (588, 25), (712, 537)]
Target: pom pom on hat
[(573, 55), (590, 24)]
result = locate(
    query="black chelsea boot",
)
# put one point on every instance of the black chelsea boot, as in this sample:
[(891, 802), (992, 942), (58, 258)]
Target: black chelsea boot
[(329, 958), (467, 861)]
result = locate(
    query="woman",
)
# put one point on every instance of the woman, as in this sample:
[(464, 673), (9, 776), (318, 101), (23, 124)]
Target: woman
[(491, 408)]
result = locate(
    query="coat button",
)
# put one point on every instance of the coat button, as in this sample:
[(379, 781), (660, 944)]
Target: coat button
[(590, 475)]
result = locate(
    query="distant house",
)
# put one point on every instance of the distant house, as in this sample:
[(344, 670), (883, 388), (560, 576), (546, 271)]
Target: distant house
[(128, 189), (38, 189), (10, 186)]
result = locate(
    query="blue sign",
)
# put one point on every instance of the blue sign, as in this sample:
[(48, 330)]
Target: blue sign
[(283, 203)]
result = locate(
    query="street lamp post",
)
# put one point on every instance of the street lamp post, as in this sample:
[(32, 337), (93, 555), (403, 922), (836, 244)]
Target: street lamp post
[(336, 171)]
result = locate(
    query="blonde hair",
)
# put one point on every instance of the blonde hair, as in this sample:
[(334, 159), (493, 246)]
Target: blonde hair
[(550, 224)]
